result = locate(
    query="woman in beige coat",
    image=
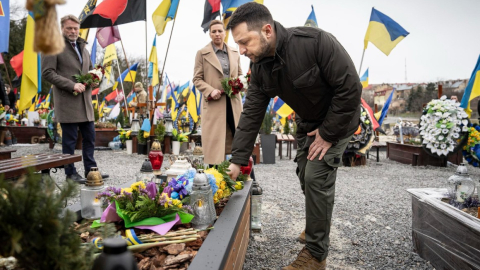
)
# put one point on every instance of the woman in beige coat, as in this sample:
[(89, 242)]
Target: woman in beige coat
[(219, 116)]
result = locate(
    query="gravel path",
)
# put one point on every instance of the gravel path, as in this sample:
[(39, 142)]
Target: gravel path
[(372, 217), (371, 220)]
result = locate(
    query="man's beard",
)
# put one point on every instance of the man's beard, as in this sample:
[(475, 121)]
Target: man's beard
[(264, 50)]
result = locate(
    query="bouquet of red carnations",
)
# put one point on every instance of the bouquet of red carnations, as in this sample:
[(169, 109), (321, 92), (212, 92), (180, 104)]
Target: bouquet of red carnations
[(92, 78), (231, 87)]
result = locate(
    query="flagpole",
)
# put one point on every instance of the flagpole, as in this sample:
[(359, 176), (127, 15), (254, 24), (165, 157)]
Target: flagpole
[(6, 70), (170, 39), (98, 109), (121, 82), (361, 62)]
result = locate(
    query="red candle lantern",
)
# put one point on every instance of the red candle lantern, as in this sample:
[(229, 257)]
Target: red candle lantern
[(156, 156)]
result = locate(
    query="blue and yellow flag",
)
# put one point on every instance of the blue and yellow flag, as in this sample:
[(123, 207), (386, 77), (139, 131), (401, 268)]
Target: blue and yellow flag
[(229, 7), (364, 79), (89, 6), (184, 89), (34, 103), (153, 63), (165, 12), (31, 78), (146, 127), (93, 54), (192, 105), (4, 25), (281, 108), (381, 115), (312, 19), (45, 103), (100, 110), (127, 76), (384, 32), (472, 90)]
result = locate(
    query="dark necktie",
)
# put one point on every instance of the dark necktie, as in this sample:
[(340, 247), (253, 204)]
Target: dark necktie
[(74, 45)]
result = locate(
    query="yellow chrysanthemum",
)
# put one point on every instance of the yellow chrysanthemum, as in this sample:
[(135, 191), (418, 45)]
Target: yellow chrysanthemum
[(215, 198), (223, 185), (226, 192), (177, 203), (129, 190), (218, 176), (219, 193), (238, 185), (136, 185)]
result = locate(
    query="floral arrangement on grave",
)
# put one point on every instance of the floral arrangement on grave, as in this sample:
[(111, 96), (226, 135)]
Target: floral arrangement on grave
[(443, 127), (179, 136), (230, 87), (92, 78), (221, 184), (409, 131), (12, 119), (142, 206), (363, 138), (471, 150), (124, 135)]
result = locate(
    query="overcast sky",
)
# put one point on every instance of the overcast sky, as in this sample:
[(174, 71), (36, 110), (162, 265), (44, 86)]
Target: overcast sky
[(444, 40)]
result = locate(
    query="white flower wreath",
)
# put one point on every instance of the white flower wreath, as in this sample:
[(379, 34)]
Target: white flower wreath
[(443, 125)]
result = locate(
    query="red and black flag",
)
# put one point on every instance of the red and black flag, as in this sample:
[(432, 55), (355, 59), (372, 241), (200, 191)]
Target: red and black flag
[(212, 10), (115, 12)]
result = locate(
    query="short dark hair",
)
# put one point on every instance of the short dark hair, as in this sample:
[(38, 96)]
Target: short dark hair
[(214, 22), (254, 14)]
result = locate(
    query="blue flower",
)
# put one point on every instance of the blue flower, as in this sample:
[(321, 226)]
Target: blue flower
[(475, 164), (213, 183), (174, 195)]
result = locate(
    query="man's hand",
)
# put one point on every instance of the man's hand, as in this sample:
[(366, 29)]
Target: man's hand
[(319, 146), (234, 171), (7, 108), (216, 94), (79, 88)]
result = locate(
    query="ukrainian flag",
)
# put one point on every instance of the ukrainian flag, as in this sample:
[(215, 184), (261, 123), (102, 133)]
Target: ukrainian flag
[(184, 89), (229, 6), (153, 64), (100, 111), (31, 79), (128, 75), (472, 90), (384, 32), (281, 108), (364, 79), (192, 105), (165, 12)]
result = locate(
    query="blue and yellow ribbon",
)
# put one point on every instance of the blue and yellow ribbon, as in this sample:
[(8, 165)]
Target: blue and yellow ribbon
[(132, 238), (96, 242)]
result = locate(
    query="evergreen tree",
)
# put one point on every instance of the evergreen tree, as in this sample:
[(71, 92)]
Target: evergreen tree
[(431, 92), (35, 228), (286, 128)]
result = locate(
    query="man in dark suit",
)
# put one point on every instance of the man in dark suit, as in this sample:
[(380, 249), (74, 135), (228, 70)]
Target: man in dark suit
[(4, 101), (12, 98), (73, 101)]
